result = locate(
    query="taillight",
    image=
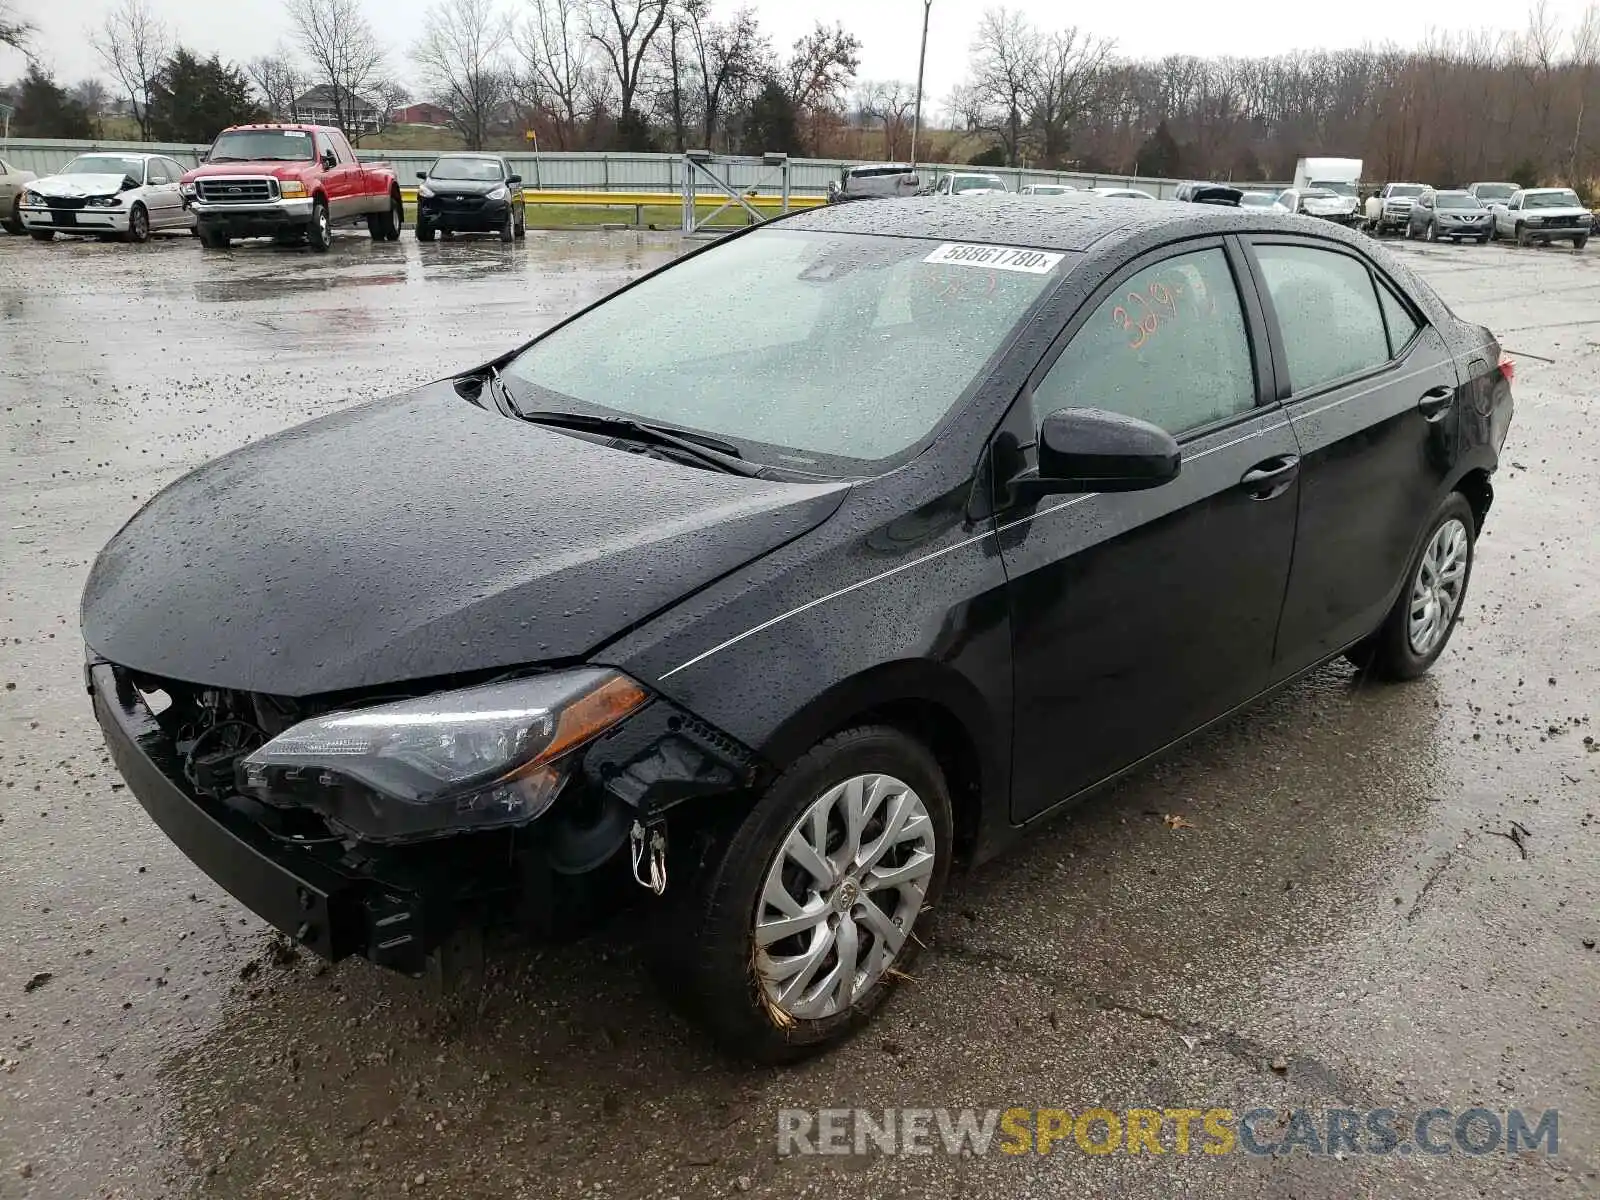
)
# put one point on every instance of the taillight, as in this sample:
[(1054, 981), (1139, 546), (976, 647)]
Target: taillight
[(1508, 367)]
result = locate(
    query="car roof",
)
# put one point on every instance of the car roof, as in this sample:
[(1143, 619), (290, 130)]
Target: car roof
[(1536, 191), (119, 154), (281, 125), (1082, 220), (470, 154)]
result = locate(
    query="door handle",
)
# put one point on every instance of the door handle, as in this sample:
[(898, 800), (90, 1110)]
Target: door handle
[(1435, 402), (1272, 478)]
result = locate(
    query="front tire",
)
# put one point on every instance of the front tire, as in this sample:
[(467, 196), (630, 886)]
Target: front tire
[(508, 227), (1418, 627), (1522, 236), (1430, 232), (425, 231), (1578, 243), (522, 221), (42, 235), (13, 224), (215, 239), (802, 928), (138, 225), (319, 234)]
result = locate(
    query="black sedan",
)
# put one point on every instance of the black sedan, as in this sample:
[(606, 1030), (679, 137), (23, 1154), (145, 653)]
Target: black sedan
[(971, 509), (470, 193)]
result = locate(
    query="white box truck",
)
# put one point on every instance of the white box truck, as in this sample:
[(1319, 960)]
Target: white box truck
[(1342, 177)]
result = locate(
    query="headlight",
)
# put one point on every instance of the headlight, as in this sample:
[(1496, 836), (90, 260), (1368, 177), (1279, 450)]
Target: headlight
[(186, 190), (106, 202), (476, 758), (35, 200), (1535, 220), (292, 189), (500, 193), (424, 190)]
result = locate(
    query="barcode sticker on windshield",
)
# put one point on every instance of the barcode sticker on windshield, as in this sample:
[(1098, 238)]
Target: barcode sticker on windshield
[(999, 258), (293, 132)]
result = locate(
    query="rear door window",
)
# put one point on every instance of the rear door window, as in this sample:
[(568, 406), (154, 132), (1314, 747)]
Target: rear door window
[(1168, 346), (1328, 313)]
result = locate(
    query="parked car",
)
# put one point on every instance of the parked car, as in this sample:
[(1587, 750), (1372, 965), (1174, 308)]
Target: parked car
[(1121, 193), (1491, 193), (292, 183), (585, 621), (1339, 177), (1322, 203), (966, 184), (1390, 209), (128, 196), (1453, 215), (1208, 193), (874, 182), (1257, 200), (1543, 215), (1047, 189), (11, 180), (470, 193)]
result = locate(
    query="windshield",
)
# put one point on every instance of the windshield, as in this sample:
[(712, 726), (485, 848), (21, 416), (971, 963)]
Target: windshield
[(483, 170), (1337, 186), (1256, 200), (977, 183), (875, 172), (817, 351), (1496, 191), (1456, 200), (1564, 198), (106, 164), (1049, 189), (1402, 190), (1316, 193), (262, 145)]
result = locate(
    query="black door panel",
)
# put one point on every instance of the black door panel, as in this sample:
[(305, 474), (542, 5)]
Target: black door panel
[(1376, 450), (1140, 616)]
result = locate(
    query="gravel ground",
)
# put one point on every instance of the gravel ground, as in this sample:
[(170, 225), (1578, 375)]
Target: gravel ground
[(1342, 919)]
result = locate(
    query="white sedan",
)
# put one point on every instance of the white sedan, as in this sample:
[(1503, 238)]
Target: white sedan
[(1123, 193), (130, 196)]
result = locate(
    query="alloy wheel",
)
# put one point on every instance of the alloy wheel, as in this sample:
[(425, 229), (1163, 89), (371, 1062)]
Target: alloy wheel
[(842, 894), (1436, 591)]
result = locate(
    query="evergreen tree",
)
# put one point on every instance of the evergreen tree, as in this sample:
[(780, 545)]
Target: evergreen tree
[(44, 110), (194, 99)]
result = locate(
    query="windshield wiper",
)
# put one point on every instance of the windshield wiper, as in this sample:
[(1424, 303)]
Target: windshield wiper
[(724, 456)]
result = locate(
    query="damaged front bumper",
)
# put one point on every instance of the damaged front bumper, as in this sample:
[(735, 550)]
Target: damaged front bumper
[(397, 904)]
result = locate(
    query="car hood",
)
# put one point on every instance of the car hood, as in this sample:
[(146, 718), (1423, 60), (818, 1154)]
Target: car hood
[(282, 166), (463, 187), (1330, 204), (71, 187), (416, 537), (1566, 210)]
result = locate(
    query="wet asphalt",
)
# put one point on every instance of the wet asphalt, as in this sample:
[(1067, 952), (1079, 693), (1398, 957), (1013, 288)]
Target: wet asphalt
[(1341, 919)]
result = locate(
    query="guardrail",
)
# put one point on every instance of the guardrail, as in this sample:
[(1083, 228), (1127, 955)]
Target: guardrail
[(638, 202)]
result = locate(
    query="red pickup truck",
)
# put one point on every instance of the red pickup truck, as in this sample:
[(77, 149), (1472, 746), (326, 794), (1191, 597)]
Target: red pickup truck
[(292, 183)]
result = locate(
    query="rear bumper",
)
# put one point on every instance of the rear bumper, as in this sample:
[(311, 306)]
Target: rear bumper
[(75, 220), (325, 907), (253, 220)]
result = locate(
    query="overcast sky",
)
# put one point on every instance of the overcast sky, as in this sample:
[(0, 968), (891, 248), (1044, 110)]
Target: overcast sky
[(889, 29)]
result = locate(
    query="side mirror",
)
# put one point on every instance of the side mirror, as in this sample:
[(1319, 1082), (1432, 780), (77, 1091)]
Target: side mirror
[(914, 181), (1091, 450), (330, 160), (513, 180), (202, 156), (422, 174)]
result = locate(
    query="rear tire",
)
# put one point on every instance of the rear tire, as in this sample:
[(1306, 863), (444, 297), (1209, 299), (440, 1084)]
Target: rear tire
[(712, 962), (1431, 600)]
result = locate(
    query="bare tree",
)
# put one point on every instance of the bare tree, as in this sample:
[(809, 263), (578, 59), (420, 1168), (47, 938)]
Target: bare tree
[(675, 65), (278, 81), (1586, 69), (889, 103), (822, 66), (732, 57), (14, 31), (133, 43), (624, 29), (1006, 57), (1065, 83), (559, 70), (343, 53), (462, 61)]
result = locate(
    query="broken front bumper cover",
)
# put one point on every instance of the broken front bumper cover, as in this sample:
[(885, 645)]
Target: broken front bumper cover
[(329, 908)]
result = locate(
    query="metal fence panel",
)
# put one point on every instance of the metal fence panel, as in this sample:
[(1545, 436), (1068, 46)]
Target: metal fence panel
[(606, 172)]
